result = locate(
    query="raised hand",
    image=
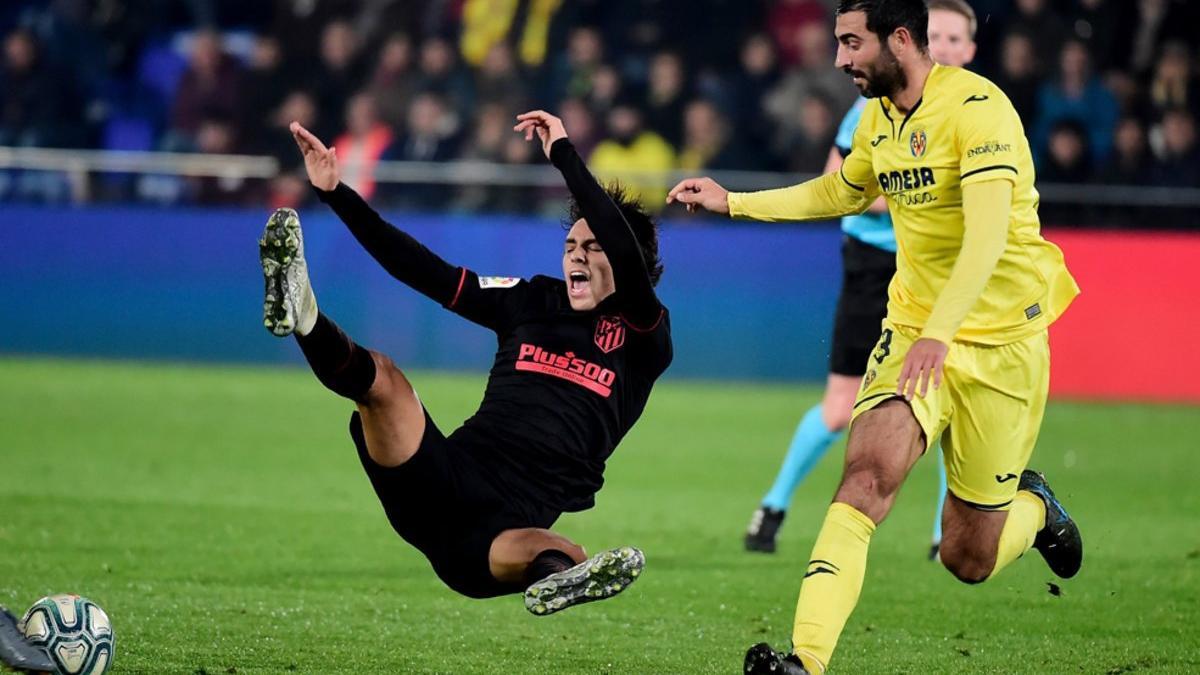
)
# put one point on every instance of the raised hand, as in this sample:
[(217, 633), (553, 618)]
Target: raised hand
[(703, 193), (547, 127), (320, 162)]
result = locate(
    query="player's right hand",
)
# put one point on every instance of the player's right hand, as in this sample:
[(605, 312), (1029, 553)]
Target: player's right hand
[(320, 162), (703, 193)]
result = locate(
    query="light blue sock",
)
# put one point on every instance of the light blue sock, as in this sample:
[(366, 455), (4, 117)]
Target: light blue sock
[(937, 522), (809, 444)]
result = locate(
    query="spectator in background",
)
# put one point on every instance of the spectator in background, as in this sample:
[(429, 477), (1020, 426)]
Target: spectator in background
[(1131, 162), (264, 85), (362, 145), (1042, 24), (487, 24), (498, 80), (816, 76), (298, 25), (1174, 84), (337, 76), (665, 96), (577, 117), (217, 135), (1077, 95), (492, 129), (378, 20), (1158, 21), (516, 199), (571, 76), (276, 140), (1020, 76), (1179, 157), (708, 141), (605, 91), (209, 88), (631, 149), (430, 132), (441, 74), (807, 149), (1067, 160), (392, 81), (430, 135), (787, 20), (33, 107), (758, 76)]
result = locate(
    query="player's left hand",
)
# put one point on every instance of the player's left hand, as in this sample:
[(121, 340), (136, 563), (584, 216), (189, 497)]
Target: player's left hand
[(924, 362), (548, 128)]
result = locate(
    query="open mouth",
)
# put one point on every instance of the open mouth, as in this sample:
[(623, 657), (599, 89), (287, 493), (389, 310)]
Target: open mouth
[(578, 284)]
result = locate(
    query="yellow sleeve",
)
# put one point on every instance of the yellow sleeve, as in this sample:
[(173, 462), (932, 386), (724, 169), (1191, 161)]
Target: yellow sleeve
[(990, 138), (829, 196), (986, 207)]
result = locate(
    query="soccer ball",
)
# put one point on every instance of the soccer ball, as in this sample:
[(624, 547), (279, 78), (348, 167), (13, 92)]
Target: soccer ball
[(73, 631)]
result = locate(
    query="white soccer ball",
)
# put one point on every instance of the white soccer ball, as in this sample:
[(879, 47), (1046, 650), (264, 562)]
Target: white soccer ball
[(73, 631)]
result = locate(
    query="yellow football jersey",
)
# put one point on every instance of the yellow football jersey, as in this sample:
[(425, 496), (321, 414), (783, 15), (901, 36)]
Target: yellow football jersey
[(963, 130)]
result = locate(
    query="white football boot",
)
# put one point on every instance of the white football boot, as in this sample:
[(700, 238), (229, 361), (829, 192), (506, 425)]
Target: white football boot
[(290, 305), (601, 576)]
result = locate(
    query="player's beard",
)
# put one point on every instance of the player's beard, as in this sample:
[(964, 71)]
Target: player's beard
[(884, 78)]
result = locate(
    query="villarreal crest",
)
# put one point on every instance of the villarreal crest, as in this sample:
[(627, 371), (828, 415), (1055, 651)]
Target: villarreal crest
[(917, 143), (610, 333)]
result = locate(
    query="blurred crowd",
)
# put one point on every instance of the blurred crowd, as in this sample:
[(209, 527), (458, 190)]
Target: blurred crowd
[(1108, 89)]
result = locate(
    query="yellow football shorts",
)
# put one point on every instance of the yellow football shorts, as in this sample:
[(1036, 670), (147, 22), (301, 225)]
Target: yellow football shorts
[(988, 410)]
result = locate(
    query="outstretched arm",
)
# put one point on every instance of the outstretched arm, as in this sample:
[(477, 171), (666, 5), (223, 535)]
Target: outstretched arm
[(403, 257), (614, 234), (828, 196)]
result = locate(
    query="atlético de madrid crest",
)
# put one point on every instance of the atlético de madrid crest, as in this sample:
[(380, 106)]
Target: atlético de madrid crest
[(917, 143), (610, 333)]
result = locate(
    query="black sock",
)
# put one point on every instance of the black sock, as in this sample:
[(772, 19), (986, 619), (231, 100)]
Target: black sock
[(547, 562), (345, 368)]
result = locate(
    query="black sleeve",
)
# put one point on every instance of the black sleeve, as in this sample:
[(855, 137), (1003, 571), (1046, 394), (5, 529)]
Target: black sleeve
[(634, 289), (410, 262)]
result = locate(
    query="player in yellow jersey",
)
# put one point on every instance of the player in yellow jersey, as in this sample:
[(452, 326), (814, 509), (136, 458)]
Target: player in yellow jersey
[(963, 354)]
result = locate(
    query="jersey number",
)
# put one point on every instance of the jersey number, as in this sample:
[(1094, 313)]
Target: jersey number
[(885, 346)]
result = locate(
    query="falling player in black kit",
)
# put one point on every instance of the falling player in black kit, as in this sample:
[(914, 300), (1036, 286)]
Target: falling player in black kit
[(574, 368)]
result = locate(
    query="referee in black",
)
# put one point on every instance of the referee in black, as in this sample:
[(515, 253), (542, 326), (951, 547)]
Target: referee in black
[(575, 363)]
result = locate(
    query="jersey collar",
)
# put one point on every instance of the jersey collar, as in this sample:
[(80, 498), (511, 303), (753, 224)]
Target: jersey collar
[(935, 76)]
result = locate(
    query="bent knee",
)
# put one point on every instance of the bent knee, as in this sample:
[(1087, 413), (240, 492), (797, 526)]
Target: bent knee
[(390, 383), (867, 490)]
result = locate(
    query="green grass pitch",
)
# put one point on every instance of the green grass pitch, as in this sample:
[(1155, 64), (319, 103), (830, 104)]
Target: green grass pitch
[(220, 516)]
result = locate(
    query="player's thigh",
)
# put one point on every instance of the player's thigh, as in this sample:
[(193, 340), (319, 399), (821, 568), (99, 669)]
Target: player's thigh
[(878, 386), (393, 418), (999, 397)]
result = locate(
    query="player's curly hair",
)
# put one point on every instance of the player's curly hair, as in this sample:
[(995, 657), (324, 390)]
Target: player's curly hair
[(885, 16), (645, 227)]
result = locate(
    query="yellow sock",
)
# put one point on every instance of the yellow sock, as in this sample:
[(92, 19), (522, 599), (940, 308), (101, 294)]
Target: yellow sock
[(831, 584), (1026, 516)]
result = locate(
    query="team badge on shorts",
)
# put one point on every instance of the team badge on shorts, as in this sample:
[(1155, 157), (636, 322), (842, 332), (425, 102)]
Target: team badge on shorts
[(868, 379), (610, 333), (918, 142)]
